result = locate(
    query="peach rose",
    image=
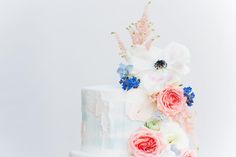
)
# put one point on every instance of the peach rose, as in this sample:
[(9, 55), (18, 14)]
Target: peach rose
[(146, 143), (189, 153), (170, 101)]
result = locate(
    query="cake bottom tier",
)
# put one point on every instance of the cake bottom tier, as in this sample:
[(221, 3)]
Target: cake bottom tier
[(83, 154)]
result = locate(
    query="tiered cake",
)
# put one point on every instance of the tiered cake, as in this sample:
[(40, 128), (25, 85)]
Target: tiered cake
[(150, 113)]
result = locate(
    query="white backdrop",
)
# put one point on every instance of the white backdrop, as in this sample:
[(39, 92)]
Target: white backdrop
[(49, 49)]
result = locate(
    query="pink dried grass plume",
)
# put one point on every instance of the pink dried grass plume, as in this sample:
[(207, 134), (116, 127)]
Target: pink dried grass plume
[(141, 31), (120, 44)]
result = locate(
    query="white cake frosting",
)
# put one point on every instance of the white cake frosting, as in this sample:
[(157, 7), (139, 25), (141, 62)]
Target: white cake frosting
[(105, 126)]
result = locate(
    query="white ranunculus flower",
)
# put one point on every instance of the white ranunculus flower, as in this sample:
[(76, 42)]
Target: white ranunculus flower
[(175, 135), (158, 67), (138, 105)]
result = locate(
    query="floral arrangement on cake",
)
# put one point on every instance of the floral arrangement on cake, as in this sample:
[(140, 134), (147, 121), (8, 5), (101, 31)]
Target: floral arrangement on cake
[(153, 80)]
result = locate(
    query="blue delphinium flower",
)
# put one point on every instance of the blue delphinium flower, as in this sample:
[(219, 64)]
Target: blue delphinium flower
[(129, 82), (124, 70), (190, 95)]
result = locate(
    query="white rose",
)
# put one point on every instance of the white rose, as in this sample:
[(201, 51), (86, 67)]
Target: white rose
[(138, 105), (168, 153), (175, 56), (175, 135)]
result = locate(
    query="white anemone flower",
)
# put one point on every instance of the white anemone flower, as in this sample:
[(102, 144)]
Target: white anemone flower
[(158, 67)]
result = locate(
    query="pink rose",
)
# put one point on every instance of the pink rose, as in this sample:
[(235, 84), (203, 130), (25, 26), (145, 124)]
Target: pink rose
[(189, 153), (170, 101), (146, 143)]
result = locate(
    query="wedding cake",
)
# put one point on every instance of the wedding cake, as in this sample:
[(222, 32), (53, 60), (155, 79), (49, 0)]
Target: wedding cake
[(149, 112)]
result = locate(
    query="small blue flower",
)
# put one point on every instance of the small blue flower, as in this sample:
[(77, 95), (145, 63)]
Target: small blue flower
[(124, 70), (190, 95), (187, 90), (129, 82), (174, 149)]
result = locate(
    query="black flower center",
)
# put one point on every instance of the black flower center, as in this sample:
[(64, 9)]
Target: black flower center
[(160, 64)]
